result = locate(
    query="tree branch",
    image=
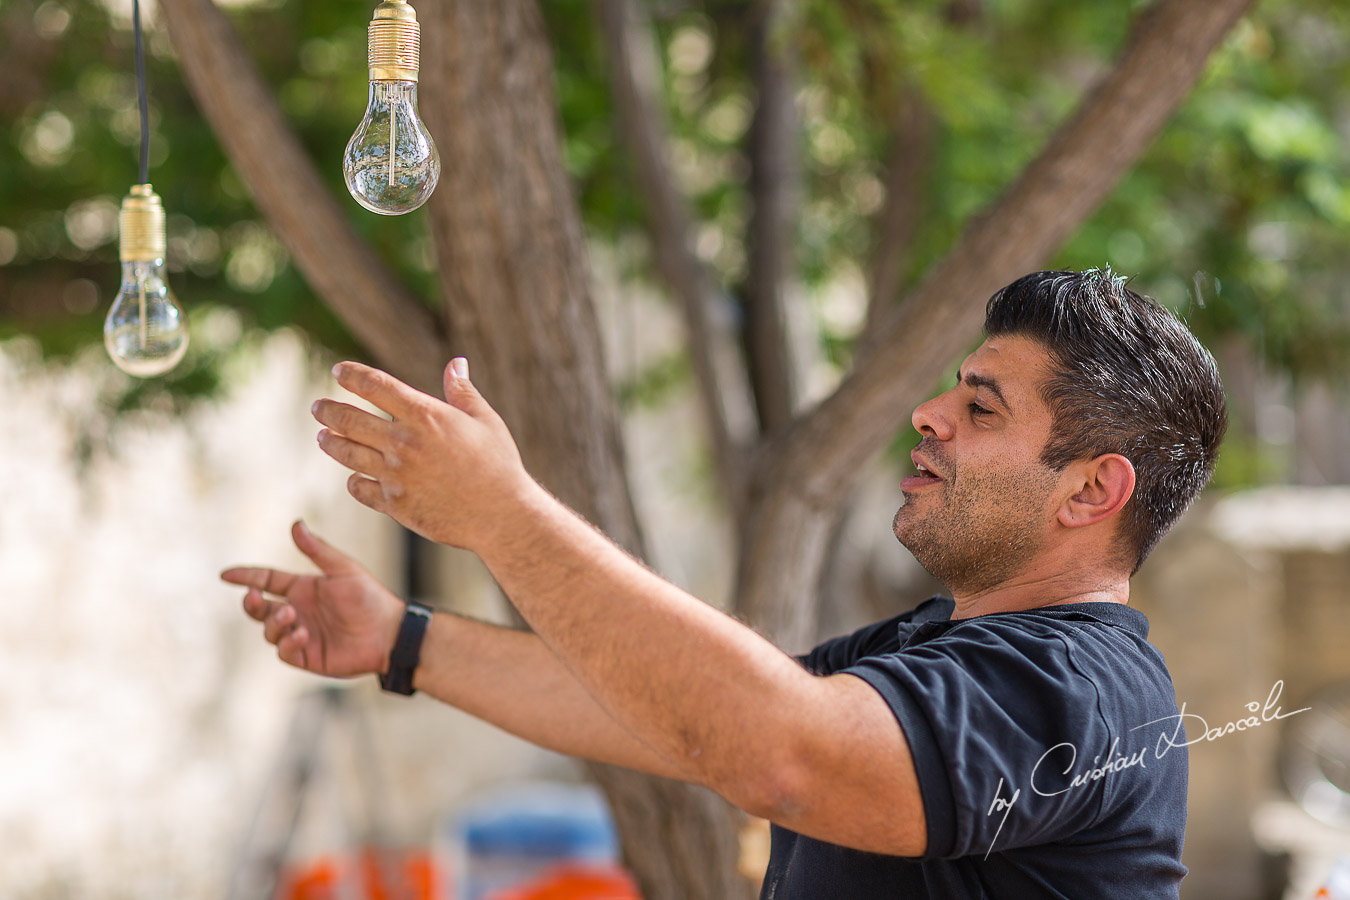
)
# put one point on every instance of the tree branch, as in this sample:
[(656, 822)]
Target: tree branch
[(809, 473), (775, 177), (911, 139), (911, 142), (722, 388), (393, 324)]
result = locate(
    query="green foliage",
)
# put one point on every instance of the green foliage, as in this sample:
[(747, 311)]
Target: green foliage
[(653, 384), (68, 111), (1246, 461), (1237, 216)]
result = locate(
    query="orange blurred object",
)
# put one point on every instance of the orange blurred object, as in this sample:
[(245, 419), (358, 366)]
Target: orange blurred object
[(380, 874), (569, 882)]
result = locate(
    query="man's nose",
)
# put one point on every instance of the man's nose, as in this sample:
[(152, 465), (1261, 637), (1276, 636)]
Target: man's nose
[(930, 419)]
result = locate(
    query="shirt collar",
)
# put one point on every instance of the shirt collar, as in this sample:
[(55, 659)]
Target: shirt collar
[(940, 609)]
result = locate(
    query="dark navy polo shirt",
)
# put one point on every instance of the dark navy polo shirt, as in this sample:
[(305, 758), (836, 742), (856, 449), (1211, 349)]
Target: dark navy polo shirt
[(1049, 752)]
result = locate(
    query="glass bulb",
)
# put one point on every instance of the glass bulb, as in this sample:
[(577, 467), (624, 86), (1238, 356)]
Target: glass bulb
[(391, 165), (146, 331)]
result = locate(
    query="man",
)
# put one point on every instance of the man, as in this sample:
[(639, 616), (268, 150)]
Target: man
[(1018, 740)]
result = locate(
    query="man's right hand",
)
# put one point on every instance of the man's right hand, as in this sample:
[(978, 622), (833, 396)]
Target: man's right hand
[(344, 623), (340, 623)]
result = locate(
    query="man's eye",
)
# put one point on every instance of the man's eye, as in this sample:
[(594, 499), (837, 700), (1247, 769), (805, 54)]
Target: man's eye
[(978, 410)]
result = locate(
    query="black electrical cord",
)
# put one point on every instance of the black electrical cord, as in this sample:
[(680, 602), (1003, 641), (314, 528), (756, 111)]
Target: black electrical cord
[(141, 93)]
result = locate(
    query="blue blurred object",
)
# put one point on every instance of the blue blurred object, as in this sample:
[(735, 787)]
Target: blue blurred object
[(514, 835)]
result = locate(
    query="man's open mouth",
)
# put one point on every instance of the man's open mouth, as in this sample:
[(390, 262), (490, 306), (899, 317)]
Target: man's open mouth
[(924, 476), (922, 469)]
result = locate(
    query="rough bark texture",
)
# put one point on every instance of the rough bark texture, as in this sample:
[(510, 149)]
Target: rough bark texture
[(514, 267), (807, 475), (393, 324), (512, 255)]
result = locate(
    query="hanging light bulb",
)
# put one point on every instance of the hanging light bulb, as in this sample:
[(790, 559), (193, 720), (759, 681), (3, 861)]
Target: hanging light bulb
[(391, 164), (145, 332)]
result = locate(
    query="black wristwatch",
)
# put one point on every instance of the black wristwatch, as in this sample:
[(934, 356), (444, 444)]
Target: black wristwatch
[(407, 652)]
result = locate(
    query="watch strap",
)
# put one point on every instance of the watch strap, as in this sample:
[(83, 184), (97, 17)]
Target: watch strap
[(407, 652)]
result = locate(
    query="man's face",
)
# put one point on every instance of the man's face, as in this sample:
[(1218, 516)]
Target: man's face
[(986, 507)]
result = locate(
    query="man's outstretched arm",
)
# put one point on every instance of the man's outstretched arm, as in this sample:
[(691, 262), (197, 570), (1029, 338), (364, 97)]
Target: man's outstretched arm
[(823, 756), (343, 623), (513, 680)]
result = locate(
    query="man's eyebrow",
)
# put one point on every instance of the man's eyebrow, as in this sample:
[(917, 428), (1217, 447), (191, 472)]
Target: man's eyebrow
[(977, 381)]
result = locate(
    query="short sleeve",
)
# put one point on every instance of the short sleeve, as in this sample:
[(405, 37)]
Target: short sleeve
[(995, 712), (842, 652), (871, 640)]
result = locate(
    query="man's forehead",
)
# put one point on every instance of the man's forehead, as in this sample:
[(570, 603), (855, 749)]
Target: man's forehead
[(1018, 365), (1008, 355)]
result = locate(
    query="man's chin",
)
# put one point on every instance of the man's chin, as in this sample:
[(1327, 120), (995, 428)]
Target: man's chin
[(898, 522), (909, 512), (904, 524)]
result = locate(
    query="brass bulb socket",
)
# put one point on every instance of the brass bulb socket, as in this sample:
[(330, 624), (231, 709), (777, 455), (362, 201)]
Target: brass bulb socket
[(140, 225), (394, 42)]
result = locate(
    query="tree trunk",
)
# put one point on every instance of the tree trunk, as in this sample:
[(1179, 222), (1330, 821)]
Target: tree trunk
[(514, 266), (808, 474), (906, 165)]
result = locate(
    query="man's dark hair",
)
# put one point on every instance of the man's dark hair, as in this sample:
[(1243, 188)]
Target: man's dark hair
[(1126, 377)]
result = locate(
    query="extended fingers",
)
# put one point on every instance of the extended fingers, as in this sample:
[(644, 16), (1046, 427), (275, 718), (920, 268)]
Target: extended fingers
[(380, 388), (355, 456), (356, 424), (273, 581), (324, 555)]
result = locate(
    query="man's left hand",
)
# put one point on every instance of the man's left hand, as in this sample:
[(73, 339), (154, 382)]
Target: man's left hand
[(444, 469)]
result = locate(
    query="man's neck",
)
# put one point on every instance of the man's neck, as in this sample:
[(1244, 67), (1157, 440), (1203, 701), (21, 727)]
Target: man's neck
[(1033, 590)]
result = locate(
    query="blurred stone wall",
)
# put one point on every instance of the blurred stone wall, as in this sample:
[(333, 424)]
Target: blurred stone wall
[(1247, 592), (145, 721), (143, 714)]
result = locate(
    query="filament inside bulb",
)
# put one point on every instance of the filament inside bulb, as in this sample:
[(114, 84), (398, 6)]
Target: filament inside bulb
[(391, 165), (144, 312), (145, 332)]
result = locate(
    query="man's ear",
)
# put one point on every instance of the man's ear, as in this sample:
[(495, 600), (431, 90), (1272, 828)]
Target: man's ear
[(1105, 485)]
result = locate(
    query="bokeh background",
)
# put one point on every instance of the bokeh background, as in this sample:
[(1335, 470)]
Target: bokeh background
[(144, 722)]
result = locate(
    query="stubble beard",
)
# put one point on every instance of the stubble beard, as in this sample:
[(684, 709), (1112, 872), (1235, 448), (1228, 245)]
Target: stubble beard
[(977, 530)]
